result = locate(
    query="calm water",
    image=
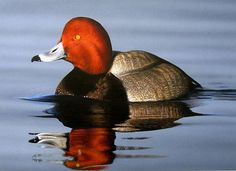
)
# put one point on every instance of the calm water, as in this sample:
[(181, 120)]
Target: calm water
[(196, 134)]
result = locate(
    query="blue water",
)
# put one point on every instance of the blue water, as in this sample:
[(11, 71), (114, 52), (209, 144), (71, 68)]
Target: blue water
[(198, 36)]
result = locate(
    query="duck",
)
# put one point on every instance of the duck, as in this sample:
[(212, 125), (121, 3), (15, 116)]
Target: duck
[(102, 73)]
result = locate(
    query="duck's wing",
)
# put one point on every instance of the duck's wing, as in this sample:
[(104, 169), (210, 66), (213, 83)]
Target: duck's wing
[(147, 77), (133, 61)]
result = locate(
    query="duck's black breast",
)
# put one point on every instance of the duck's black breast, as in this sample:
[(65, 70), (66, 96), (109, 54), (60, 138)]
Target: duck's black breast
[(102, 86)]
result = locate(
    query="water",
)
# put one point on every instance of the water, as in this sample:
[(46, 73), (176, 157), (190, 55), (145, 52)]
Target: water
[(198, 36)]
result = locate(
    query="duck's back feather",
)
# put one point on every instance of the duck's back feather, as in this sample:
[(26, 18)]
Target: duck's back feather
[(147, 77)]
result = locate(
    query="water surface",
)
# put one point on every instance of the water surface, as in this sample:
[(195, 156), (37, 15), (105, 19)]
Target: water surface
[(198, 36)]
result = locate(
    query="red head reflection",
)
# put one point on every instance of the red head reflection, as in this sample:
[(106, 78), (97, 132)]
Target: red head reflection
[(90, 148)]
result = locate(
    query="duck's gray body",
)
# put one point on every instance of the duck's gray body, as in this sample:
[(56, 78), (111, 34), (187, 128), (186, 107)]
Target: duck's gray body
[(147, 77)]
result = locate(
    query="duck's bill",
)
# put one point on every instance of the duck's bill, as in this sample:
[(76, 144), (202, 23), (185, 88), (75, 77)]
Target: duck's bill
[(56, 53)]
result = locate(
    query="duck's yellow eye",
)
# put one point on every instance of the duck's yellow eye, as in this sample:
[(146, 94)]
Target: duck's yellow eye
[(77, 37), (77, 165)]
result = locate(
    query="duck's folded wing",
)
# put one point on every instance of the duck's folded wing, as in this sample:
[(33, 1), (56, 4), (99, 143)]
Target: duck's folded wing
[(147, 77)]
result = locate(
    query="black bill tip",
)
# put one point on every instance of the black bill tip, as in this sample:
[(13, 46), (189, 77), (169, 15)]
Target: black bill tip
[(36, 58), (34, 140)]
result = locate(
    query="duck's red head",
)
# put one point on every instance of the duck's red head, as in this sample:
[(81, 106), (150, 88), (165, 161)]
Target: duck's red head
[(84, 43), (87, 45)]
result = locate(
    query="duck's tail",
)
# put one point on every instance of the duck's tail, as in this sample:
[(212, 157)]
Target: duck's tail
[(195, 84)]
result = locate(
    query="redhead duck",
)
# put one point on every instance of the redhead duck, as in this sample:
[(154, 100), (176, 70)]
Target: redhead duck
[(100, 73)]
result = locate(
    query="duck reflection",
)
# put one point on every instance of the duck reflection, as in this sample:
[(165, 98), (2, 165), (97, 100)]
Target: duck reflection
[(78, 112), (90, 144), (90, 147)]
